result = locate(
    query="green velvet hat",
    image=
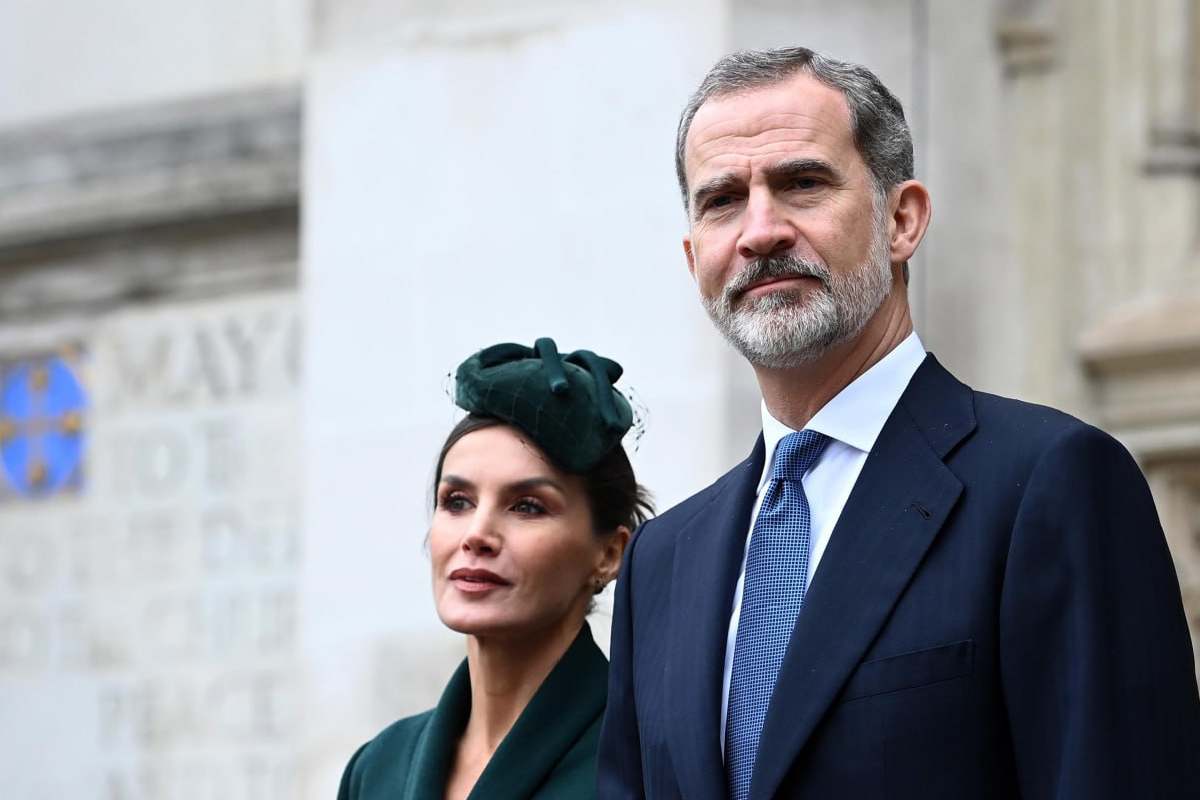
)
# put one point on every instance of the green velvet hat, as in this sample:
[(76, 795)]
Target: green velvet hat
[(566, 404)]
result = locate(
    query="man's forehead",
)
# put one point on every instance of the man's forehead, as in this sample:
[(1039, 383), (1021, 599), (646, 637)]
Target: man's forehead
[(794, 111)]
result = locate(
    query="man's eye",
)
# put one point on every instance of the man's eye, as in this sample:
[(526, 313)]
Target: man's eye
[(716, 203), (529, 506), (806, 183)]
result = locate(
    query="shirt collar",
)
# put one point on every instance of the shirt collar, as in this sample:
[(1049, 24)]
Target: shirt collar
[(856, 414)]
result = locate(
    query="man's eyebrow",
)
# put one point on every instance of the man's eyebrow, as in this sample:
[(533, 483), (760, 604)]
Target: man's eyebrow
[(718, 185), (775, 173), (801, 166)]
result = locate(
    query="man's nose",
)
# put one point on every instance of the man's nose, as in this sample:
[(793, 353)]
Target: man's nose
[(766, 231)]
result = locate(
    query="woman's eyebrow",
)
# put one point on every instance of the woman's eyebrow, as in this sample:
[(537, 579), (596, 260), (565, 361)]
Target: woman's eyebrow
[(534, 483), (455, 482), (523, 485)]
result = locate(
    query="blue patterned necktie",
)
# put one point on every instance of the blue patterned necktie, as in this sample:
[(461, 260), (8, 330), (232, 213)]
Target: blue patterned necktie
[(773, 591)]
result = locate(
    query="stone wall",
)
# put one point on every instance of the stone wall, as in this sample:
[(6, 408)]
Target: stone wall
[(150, 538)]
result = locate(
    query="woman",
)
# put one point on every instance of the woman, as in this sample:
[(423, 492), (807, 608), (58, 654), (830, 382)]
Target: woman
[(535, 500)]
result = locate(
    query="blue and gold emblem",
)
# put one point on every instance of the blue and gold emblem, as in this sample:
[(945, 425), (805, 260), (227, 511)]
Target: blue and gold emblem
[(42, 407)]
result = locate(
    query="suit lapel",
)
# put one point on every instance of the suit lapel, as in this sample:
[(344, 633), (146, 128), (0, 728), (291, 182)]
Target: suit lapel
[(899, 503), (708, 557)]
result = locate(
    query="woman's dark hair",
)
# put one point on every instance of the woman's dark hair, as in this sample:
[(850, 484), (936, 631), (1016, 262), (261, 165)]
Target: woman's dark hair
[(614, 496)]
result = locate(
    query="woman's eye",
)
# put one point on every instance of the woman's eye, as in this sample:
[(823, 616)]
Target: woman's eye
[(454, 502), (527, 505)]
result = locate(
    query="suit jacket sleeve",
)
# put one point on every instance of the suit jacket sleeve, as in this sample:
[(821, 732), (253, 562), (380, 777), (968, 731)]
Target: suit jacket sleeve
[(619, 771), (1096, 660)]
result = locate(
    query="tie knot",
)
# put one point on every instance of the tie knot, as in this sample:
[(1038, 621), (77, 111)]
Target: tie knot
[(796, 453)]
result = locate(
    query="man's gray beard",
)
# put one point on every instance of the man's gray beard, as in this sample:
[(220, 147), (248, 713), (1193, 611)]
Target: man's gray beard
[(787, 328)]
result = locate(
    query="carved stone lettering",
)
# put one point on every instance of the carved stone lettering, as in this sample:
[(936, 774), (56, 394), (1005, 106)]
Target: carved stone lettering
[(205, 370), (159, 462), (138, 366), (24, 640), (168, 587), (173, 627), (259, 537), (223, 534), (245, 347), (28, 560), (144, 545), (252, 777), (226, 707), (215, 625), (207, 361), (277, 622), (74, 645), (224, 462)]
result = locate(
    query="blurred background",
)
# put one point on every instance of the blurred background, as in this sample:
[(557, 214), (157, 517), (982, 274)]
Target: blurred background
[(244, 242)]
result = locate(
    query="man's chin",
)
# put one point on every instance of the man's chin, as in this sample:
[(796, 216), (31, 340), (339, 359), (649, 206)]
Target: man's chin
[(783, 351)]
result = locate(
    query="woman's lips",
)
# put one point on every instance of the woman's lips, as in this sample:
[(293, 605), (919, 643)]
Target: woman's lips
[(476, 581)]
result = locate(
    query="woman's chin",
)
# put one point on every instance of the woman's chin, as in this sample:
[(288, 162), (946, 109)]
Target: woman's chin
[(480, 622), (494, 623)]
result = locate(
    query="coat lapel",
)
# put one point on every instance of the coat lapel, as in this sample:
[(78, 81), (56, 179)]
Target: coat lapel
[(568, 703), (899, 503), (708, 557), (435, 750)]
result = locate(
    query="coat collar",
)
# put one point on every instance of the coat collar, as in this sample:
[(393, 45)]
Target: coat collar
[(899, 503), (570, 700), (435, 750)]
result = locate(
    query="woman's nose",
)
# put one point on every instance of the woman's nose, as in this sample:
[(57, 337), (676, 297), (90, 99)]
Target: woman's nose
[(482, 536)]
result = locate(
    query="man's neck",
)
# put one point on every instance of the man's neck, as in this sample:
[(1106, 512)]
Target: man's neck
[(793, 395)]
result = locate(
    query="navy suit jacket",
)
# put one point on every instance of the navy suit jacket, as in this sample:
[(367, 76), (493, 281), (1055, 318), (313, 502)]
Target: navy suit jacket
[(996, 616)]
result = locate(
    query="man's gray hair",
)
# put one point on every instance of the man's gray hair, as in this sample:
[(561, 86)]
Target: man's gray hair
[(876, 116)]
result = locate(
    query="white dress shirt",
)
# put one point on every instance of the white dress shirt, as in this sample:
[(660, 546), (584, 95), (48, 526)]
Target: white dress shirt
[(852, 420)]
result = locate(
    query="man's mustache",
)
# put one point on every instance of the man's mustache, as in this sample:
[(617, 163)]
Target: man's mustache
[(770, 267)]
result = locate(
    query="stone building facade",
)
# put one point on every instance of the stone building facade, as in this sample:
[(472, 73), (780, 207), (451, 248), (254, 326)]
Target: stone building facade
[(242, 245)]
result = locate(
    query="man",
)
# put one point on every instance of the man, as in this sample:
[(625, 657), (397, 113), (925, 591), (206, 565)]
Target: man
[(909, 589)]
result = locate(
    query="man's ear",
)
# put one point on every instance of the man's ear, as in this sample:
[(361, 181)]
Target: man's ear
[(690, 254), (911, 211)]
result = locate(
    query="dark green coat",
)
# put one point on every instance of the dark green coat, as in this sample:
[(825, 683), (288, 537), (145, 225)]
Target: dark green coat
[(549, 753)]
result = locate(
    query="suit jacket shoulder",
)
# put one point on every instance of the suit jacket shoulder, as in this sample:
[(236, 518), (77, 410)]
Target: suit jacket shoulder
[(1014, 445)]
